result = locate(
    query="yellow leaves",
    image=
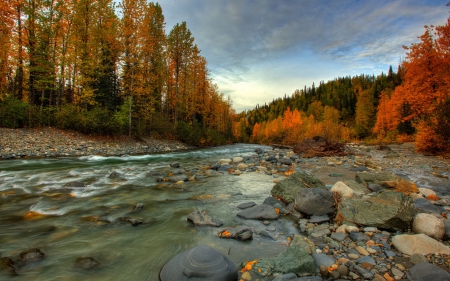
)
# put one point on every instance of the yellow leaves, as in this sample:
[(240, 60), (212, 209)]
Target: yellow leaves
[(249, 265), (224, 234)]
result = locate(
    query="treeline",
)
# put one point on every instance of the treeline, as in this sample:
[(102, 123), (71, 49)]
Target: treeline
[(412, 103), (106, 68)]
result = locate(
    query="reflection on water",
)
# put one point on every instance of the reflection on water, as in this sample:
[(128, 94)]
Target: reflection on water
[(67, 223)]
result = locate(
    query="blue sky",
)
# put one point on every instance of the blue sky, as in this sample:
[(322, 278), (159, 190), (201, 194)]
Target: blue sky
[(258, 50)]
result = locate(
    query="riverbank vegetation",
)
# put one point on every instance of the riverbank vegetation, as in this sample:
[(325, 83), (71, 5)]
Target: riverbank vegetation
[(105, 68), (409, 104), (109, 67)]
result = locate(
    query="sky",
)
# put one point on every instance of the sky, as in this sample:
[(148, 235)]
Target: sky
[(259, 50)]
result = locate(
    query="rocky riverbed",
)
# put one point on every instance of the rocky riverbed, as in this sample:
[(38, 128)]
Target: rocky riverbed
[(51, 142), (377, 213)]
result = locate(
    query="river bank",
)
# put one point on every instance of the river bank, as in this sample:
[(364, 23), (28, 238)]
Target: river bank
[(52, 142)]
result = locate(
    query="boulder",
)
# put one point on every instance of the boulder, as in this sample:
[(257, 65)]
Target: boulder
[(238, 233), (202, 219), (259, 212), (285, 161), (175, 165), (418, 244), (342, 189), (199, 263), (292, 260), (238, 159), (378, 178), (427, 271), (358, 189), (287, 188), (428, 225), (387, 210), (314, 201)]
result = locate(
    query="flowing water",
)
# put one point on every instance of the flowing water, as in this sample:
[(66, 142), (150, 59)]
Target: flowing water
[(125, 252)]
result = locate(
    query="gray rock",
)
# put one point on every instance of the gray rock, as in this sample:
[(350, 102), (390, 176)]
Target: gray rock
[(427, 271), (285, 161), (319, 219), (199, 263), (323, 260), (309, 278), (366, 259), (338, 236), (153, 174), (286, 277), (357, 188), (178, 178), (246, 205), (138, 207), (272, 201), (265, 233), (366, 274), (115, 175), (224, 168), (425, 206), (378, 178), (314, 201), (388, 210), (135, 222), (358, 236), (202, 219), (418, 258), (447, 227), (74, 184), (360, 169), (259, 212), (238, 233), (374, 187), (175, 165), (287, 188)]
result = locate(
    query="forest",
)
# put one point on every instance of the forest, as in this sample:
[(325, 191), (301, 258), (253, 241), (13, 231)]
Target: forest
[(409, 104), (103, 67), (108, 67)]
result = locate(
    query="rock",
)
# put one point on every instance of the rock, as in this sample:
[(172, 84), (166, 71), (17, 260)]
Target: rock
[(392, 154), (374, 187), (32, 255), (428, 225), (238, 160), (287, 188), (175, 165), (343, 270), (366, 259), (286, 277), (342, 189), (338, 236), (178, 178), (362, 251), (199, 263), (418, 258), (238, 233), (74, 184), (418, 244), (292, 260), (314, 201), (259, 212), (115, 175), (135, 222), (271, 201), (425, 206), (427, 271), (225, 161), (318, 219), (426, 191), (242, 167), (304, 243), (87, 263), (366, 274), (138, 207), (246, 205), (323, 260), (285, 161), (225, 168), (358, 189), (202, 219), (378, 178), (153, 174), (447, 227), (360, 169), (388, 210)]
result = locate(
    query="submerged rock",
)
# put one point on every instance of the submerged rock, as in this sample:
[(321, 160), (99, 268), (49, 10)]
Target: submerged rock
[(202, 219), (74, 184), (87, 263), (199, 263), (287, 188), (8, 265), (32, 255), (388, 210)]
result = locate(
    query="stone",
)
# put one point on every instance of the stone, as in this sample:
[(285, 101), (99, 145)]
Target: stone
[(271, 201), (239, 233), (74, 184), (447, 227), (115, 175), (202, 219), (388, 210), (425, 206), (199, 263), (418, 258), (225, 161), (366, 274), (175, 165), (338, 236), (366, 259), (342, 269), (427, 271), (246, 205), (418, 244), (426, 191), (8, 265), (177, 178), (292, 260), (138, 207), (362, 251), (259, 212), (242, 167), (285, 277), (319, 219), (428, 225), (303, 242), (285, 161), (32, 255), (323, 260), (342, 189), (87, 263), (377, 178), (238, 159), (314, 201), (153, 174), (360, 169), (287, 188), (358, 189)]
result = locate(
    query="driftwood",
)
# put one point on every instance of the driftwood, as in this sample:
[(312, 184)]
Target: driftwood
[(320, 147)]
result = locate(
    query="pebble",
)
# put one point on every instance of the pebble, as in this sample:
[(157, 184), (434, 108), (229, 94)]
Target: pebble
[(362, 251)]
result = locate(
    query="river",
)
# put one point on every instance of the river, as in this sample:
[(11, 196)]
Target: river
[(68, 228)]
